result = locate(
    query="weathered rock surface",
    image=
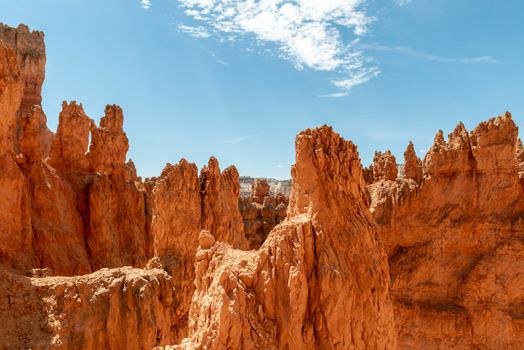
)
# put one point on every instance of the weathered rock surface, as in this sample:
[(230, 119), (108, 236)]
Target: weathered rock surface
[(455, 241), (310, 285), (121, 308)]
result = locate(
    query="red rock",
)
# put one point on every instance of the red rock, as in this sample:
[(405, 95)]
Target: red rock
[(71, 141), (384, 166), (259, 190), (122, 308), (30, 53), (412, 164), (220, 213), (109, 144)]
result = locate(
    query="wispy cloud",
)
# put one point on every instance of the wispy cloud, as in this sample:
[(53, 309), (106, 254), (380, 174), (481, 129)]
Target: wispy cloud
[(428, 56), (197, 32), (307, 33), (145, 4), (335, 95)]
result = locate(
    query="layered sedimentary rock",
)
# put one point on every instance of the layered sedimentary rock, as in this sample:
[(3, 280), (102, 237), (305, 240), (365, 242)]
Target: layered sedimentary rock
[(319, 281), (182, 204), (455, 241), (261, 212)]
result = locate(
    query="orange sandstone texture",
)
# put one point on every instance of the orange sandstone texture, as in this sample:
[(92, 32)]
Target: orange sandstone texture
[(455, 241)]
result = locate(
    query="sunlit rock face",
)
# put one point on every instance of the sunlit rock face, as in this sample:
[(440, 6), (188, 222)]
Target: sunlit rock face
[(454, 240)]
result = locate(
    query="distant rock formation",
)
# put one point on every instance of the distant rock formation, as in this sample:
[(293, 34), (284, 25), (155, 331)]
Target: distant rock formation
[(261, 212), (275, 186)]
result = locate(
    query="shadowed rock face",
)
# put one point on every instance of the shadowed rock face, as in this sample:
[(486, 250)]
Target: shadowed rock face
[(455, 241)]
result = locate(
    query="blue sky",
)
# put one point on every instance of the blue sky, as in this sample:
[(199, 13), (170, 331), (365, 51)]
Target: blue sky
[(239, 81)]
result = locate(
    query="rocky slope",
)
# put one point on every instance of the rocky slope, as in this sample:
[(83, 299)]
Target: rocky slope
[(94, 257)]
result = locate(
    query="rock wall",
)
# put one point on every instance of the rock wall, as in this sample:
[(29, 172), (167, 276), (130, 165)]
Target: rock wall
[(455, 241)]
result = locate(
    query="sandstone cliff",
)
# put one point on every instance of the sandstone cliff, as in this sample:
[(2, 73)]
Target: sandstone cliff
[(455, 241)]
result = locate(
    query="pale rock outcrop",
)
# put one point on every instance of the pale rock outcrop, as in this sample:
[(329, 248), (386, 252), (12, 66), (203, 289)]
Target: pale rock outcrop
[(454, 242), (310, 285), (121, 308)]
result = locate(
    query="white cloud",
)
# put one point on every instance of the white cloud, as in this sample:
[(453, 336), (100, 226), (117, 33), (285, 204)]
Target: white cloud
[(145, 4), (335, 95), (431, 57), (308, 33), (197, 32)]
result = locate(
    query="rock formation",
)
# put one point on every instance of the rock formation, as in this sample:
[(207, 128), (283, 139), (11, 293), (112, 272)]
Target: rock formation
[(261, 212), (310, 285), (455, 241), (30, 53), (275, 186), (92, 257)]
